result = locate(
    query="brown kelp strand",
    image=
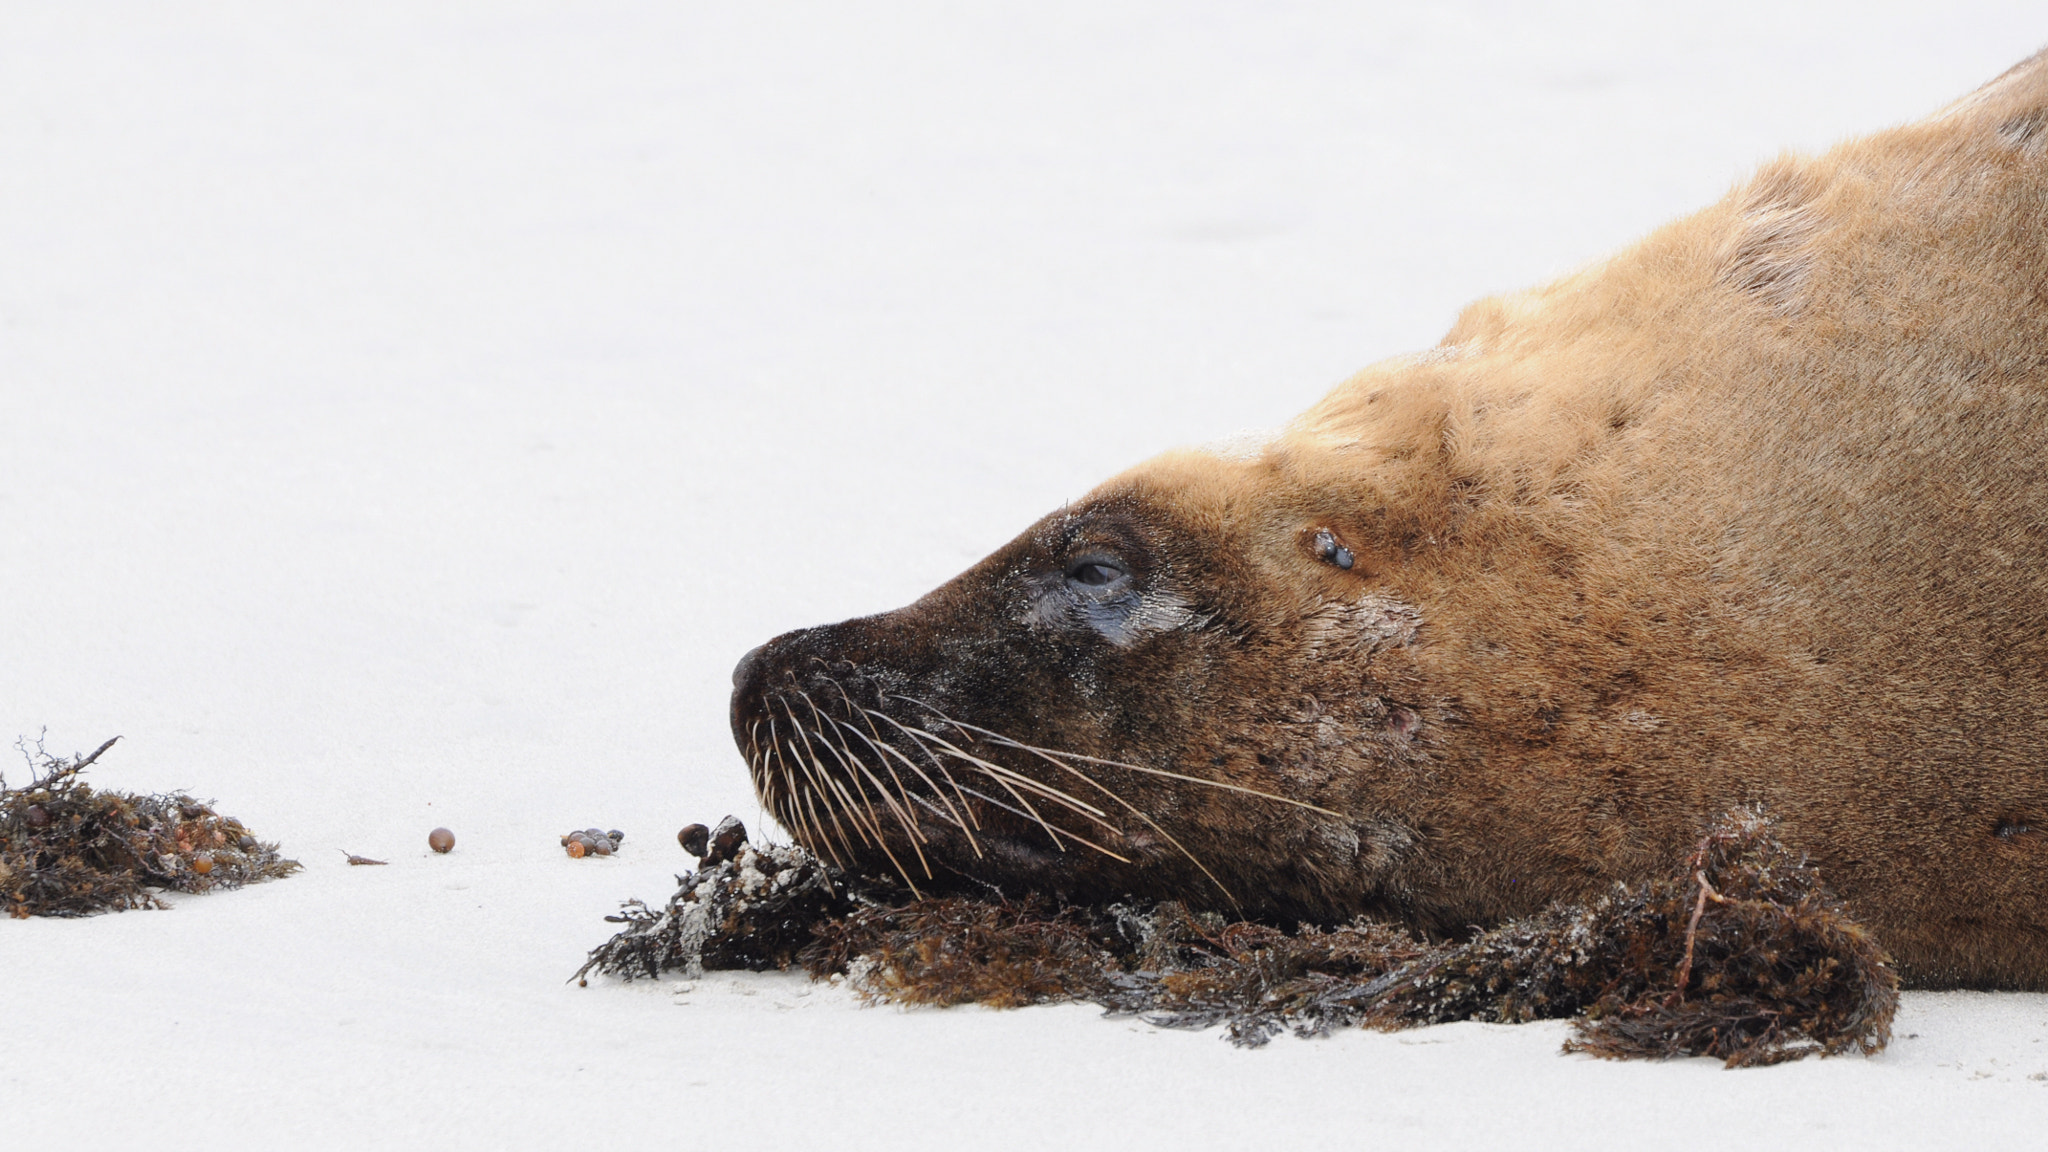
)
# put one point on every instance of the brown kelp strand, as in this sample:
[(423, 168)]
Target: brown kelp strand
[(69, 849), (1740, 953)]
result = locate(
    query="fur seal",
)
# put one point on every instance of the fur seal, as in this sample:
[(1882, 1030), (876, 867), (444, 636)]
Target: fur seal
[(1754, 512)]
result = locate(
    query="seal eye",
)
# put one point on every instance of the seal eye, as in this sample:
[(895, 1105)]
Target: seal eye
[(1094, 573), (1328, 548)]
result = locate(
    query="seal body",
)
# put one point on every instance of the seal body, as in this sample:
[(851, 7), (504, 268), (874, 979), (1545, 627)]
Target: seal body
[(1753, 513)]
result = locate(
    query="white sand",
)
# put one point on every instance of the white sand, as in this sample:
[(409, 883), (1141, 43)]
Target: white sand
[(408, 419)]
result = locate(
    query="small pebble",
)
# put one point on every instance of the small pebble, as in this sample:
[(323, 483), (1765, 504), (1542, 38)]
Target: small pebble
[(202, 864), (615, 836), (574, 848), (441, 840), (602, 846), (247, 843), (695, 839), (38, 816)]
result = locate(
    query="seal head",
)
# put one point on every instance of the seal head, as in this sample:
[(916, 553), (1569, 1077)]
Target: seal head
[(1089, 710)]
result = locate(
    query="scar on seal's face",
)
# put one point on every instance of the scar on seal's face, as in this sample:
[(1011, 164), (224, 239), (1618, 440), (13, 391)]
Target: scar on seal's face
[(1752, 512)]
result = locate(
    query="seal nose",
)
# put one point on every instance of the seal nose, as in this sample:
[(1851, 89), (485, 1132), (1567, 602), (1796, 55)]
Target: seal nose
[(747, 682), (748, 667)]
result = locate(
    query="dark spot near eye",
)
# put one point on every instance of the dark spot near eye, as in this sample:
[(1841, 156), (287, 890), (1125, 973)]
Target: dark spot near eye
[(1333, 552), (2010, 827)]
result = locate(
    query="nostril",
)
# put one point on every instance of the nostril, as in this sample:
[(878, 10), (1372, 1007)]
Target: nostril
[(744, 670)]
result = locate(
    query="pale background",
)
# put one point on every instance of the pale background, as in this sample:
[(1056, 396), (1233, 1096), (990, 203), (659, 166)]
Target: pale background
[(408, 413)]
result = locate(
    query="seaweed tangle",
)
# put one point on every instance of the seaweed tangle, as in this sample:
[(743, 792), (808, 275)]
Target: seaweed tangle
[(755, 911), (1740, 954), (68, 849)]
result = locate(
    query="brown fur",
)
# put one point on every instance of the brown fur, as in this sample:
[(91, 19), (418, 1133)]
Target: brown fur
[(1753, 512)]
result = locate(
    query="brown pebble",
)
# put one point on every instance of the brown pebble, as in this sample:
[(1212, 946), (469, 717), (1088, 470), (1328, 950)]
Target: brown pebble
[(441, 840), (574, 848), (602, 846), (695, 839), (38, 816), (202, 864)]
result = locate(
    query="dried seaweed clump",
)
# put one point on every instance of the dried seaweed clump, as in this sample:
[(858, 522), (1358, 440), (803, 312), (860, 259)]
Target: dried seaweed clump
[(951, 950), (68, 849), (1742, 955), (754, 910)]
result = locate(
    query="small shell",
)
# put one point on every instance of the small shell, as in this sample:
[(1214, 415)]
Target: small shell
[(441, 840), (726, 840)]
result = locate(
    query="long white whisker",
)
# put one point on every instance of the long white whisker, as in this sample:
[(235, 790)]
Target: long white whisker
[(1005, 778), (1098, 786), (1010, 742), (1076, 803), (816, 789), (886, 750), (909, 822), (826, 779), (874, 821), (904, 820)]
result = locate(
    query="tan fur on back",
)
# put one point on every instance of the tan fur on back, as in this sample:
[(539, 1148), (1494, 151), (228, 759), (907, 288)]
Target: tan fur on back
[(1756, 509)]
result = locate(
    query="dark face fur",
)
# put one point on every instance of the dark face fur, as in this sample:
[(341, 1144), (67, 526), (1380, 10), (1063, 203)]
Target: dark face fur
[(1127, 699)]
